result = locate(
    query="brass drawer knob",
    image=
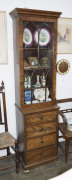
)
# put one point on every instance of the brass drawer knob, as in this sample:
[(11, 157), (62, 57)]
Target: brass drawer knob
[(42, 141), (42, 129), (41, 154), (41, 117)]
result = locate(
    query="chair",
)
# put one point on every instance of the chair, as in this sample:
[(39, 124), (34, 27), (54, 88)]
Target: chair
[(7, 141), (66, 134)]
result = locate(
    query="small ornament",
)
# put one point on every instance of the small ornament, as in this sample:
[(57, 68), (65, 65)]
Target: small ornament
[(29, 81), (26, 82), (43, 80)]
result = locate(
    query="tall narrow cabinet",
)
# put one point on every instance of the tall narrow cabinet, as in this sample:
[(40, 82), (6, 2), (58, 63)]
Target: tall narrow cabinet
[(35, 48)]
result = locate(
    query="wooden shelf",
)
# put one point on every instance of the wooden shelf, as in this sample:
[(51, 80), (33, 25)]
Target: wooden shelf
[(32, 69), (37, 88), (40, 48)]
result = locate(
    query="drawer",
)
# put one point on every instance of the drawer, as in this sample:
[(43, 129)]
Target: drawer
[(40, 117), (41, 154), (42, 141), (38, 130)]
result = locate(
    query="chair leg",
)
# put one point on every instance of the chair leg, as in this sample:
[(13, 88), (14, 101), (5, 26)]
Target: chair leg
[(8, 151), (66, 150), (17, 156)]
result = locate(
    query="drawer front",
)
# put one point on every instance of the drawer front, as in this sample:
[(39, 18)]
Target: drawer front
[(42, 154), (40, 117), (42, 129), (42, 141)]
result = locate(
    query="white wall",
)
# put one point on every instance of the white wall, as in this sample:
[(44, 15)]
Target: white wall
[(64, 85)]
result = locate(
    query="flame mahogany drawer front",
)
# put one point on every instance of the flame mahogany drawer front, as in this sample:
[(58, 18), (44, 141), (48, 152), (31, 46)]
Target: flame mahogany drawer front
[(41, 129), (41, 141), (42, 117), (41, 154), (41, 136)]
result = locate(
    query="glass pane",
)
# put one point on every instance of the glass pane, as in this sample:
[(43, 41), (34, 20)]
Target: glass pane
[(27, 96), (38, 41), (30, 58), (48, 97)]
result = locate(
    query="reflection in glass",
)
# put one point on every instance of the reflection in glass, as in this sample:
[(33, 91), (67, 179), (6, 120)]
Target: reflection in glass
[(47, 95)]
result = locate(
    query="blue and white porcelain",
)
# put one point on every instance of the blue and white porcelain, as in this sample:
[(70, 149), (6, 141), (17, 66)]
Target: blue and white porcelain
[(27, 95)]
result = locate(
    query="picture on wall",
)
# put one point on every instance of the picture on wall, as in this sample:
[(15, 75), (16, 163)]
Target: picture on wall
[(3, 38), (64, 36)]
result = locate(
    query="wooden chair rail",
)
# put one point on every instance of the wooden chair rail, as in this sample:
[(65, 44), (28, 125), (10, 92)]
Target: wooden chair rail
[(63, 117), (2, 123), (4, 157), (6, 167), (60, 136), (63, 100), (66, 110)]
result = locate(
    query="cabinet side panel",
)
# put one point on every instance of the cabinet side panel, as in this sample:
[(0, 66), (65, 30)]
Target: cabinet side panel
[(20, 129), (16, 61)]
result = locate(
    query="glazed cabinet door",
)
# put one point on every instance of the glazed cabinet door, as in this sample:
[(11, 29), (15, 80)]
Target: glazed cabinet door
[(38, 56)]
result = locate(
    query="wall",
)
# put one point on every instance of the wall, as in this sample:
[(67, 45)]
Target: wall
[(63, 88)]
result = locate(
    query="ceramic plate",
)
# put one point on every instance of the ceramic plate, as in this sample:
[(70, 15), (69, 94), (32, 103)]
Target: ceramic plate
[(27, 37), (44, 37), (39, 94)]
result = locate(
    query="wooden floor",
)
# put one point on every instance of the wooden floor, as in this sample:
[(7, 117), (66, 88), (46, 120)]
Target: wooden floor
[(40, 173)]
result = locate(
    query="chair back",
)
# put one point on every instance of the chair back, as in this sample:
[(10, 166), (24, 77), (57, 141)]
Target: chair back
[(2, 101)]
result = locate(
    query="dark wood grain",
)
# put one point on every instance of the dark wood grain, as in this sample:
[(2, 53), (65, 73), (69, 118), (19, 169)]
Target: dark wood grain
[(42, 129), (39, 118), (32, 12), (39, 142), (41, 154)]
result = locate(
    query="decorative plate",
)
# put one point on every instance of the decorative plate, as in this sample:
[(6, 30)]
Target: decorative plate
[(44, 37), (40, 94), (27, 37), (63, 66)]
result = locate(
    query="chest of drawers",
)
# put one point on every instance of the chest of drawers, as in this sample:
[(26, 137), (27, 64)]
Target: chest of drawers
[(40, 138)]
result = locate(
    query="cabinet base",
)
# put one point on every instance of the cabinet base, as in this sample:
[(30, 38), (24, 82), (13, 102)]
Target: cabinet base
[(40, 163)]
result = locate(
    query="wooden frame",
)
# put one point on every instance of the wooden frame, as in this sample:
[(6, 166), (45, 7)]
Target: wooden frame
[(3, 38), (64, 37), (63, 66)]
